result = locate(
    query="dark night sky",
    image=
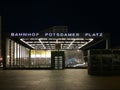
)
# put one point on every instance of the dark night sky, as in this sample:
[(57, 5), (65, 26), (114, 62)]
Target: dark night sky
[(37, 15)]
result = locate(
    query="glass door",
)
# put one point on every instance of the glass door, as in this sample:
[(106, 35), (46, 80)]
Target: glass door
[(58, 62), (57, 59)]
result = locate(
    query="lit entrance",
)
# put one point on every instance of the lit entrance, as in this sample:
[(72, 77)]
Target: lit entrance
[(40, 50)]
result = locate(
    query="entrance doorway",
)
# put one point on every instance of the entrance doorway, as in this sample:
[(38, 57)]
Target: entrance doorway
[(58, 60)]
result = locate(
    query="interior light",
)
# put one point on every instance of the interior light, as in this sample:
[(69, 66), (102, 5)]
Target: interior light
[(42, 44), (8, 56), (90, 40), (56, 40), (71, 43), (27, 43)]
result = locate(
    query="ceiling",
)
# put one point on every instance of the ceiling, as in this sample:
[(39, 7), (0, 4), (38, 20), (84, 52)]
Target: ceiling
[(50, 43)]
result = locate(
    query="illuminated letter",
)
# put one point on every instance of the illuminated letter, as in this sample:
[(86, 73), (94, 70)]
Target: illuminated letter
[(29, 34), (77, 34), (57, 34), (50, 34), (86, 34), (16, 34), (69, 34), (61, 34), (101, 34), (12, 34), (20, 34), (33, 34), (37, 34), (93, 34), (46, 34), (73, 34), (54, 34), (65, 34)]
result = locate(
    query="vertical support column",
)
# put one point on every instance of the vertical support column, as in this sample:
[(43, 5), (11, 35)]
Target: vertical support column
[(9, 53), (29, 57), (4, 49), (13, 54), (19, 56), (108, 41), (1, 58)]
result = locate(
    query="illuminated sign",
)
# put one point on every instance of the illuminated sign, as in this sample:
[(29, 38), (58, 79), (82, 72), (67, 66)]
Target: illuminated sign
[(73, 34), (62, 34), (56, 34), (94, 34), (24, 34)]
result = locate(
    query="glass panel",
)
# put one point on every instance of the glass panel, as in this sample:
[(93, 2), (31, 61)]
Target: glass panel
[(8, 61), (74, 58), (16, 55), (12, 53), (41, 58)]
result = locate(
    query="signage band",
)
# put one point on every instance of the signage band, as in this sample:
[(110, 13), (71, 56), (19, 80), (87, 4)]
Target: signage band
[(56, 34)]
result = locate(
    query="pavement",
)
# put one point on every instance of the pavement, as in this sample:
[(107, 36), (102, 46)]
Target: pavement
[(67, 79)]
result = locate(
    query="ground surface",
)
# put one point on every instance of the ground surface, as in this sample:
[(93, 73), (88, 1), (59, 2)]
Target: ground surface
[(68, 79)]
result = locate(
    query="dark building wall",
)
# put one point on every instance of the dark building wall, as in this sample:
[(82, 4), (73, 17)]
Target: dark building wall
[(56, 29), (0, 34)]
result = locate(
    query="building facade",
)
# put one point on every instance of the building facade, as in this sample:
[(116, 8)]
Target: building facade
[(55, 48)]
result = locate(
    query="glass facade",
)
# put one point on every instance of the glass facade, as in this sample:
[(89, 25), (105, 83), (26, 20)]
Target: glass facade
[(19, 56), (40, 58), (74, 58)]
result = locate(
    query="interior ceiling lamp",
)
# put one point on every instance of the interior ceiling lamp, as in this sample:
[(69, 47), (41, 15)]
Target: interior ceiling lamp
[(42, 43), (71, 43), (66, 43), (27, 43), (90, 40)]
